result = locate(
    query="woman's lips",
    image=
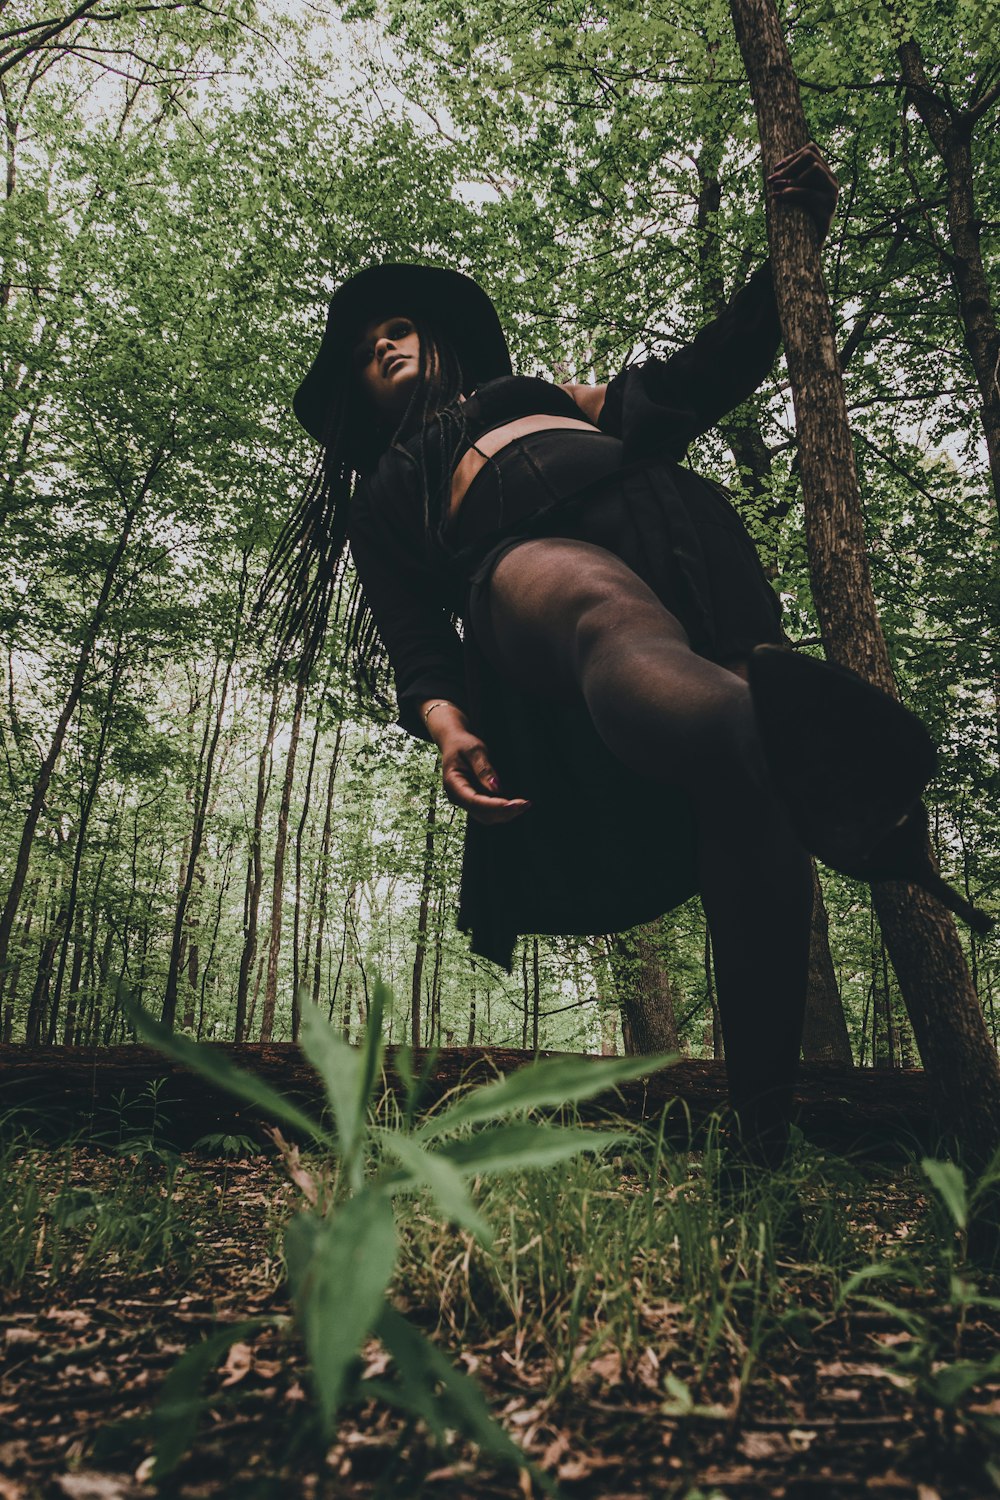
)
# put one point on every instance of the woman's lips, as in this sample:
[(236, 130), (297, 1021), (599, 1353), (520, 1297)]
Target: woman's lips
[(392, 362)]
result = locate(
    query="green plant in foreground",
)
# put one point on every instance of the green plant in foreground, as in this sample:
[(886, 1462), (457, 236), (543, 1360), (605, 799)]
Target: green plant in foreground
[(930, 1360), (341, 1252)]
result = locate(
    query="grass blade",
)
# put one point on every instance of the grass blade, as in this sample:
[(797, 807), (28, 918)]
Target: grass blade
[(548, 1084), (431, 1170), (421, 1366), (218, 1070), (949, 1183), (507, 1148), (174, 1420)]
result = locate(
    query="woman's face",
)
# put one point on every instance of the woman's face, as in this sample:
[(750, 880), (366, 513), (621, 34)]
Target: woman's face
[(387, 360)]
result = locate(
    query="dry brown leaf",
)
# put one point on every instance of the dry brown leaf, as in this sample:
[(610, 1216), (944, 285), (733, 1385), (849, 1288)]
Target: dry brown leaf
[(758, 1445), (648, 1370), (304, 1181), (92, 1486), (239, 1363), (607, 1367)]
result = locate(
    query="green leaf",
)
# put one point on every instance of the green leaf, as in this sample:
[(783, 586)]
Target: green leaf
[(174, 1419), (950, 1383), (381, 1004), (218, 1070), (508, 1148), (949, 1183), (339, 1269), (339, 1066), (542, 1085), (422, 1366), (431, 1170)]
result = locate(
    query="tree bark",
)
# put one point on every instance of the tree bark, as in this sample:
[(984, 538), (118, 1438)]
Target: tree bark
[(825, 1037), (950, 130), (921, 936), (255, 871), (425, 902), (45, 770), (649, 1020), (203, 797), (278, 884)]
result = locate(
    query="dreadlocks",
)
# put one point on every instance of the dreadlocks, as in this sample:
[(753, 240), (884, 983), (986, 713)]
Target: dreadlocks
[(307, 585)]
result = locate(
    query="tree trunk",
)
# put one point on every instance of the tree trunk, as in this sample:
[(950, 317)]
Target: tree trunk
[(825, 1037), (255, 871), (202, 797), (921, 936), (649, 1020), (323, 874), (278, 884), (45, 770), (536, 995), (950, 130), (425, 902)]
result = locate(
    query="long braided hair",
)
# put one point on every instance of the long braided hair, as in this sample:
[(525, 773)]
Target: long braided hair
[(307, 586)]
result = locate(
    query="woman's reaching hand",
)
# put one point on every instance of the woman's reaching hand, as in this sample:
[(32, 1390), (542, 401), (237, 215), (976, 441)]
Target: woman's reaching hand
[(469, 779), (471, 783), (804, 180)]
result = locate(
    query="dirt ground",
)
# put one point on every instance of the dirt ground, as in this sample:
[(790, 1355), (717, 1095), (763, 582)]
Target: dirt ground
[(86, 1350)]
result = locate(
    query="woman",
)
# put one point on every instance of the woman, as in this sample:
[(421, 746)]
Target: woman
[(595, 722)]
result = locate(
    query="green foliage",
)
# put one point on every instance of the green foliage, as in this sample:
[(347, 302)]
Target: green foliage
[(341, 1252)]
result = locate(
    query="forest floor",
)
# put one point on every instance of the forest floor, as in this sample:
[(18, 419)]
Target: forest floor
[(737, 1377)]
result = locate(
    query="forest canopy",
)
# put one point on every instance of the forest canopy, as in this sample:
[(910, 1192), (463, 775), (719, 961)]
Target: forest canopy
[(184, 188)]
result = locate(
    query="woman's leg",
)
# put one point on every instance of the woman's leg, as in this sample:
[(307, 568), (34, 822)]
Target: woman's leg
[(570, 618)]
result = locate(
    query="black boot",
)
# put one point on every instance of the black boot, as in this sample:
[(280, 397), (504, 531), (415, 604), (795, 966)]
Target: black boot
[(849, 763)]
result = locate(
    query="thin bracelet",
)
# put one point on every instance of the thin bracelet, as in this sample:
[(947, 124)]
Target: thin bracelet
[(442, 703)]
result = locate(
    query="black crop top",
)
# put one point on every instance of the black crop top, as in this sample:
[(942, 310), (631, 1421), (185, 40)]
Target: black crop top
[(656, 409)]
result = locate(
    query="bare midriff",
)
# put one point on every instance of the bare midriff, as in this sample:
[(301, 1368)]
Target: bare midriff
[(497, 438)]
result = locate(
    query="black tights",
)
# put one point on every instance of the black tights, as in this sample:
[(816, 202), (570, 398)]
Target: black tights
[(570, 618)]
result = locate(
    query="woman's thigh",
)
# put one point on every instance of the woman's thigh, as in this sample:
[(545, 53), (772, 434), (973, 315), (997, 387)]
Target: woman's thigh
[(555, 602)]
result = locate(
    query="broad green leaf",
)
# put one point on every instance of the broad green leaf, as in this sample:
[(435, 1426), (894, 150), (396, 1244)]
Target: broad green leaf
[(380, 1006), (509, 1148), (422, 1366), (949, 1183), (951, 1383), (543, 1085), (340, 1068), (431, 1170), (174, 1420), (218, 1069), (339, 1269)]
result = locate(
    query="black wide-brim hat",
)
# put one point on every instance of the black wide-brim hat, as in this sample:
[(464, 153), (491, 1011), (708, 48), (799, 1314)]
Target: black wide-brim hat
[(456, 305)]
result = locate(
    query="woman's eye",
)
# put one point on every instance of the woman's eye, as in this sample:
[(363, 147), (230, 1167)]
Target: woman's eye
[(400, 330)]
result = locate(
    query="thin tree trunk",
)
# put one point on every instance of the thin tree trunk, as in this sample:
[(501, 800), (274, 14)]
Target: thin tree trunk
[(425, 899), (825, 1037), (950, 130), (323, 873), (278, 883), (45, 770), (203, 798), (921, 936), (471, 1037), (255, 870)]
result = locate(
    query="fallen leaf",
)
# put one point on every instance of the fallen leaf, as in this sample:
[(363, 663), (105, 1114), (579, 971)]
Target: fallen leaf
[(92, 1486), (757, 1445), (239, 1363), (607, 1367)]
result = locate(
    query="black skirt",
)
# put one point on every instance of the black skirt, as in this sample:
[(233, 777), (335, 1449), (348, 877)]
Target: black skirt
[(631, 854)]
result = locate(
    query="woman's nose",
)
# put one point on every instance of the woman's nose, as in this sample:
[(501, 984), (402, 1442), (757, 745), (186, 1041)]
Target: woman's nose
[(381, 345)]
